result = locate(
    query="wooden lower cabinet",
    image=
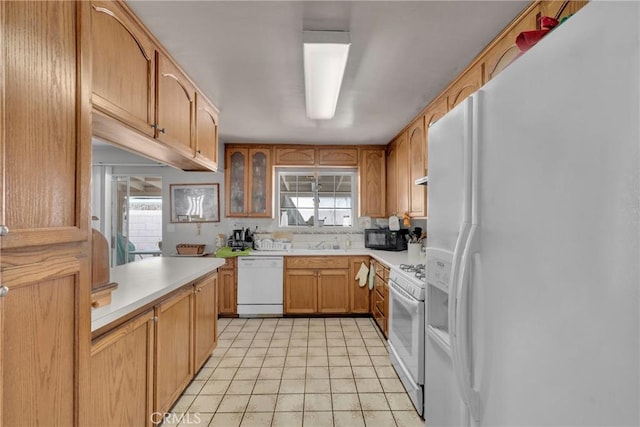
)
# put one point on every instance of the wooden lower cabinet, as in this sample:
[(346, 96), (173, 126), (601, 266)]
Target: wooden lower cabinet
[(205, 314), (174, 367), (359, 296), (122, 374), (140, 368), (333, 291), (228, 289), (380, 297), (300, 291), (325, 285)]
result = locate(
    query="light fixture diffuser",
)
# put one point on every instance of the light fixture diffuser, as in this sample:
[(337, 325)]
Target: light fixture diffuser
[(325, 58)]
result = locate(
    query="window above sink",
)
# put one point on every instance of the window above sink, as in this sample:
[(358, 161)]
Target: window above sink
[(310, 198)]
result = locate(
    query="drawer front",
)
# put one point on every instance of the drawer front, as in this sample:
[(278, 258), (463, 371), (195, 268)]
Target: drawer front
[(379, 284), (317, 262)]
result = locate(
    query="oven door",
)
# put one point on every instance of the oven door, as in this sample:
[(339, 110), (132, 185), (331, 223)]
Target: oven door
[(406, 331)]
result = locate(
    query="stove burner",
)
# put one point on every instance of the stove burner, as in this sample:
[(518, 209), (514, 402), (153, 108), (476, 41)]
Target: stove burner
[(418, 269)]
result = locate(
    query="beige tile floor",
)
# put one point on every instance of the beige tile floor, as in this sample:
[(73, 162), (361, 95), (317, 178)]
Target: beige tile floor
[(297, 372)]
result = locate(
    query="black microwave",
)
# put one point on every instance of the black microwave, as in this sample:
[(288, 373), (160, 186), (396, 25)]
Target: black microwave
[(385, 239)]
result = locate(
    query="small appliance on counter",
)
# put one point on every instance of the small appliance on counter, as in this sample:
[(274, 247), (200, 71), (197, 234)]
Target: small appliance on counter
[(385, 239), (241, 239)]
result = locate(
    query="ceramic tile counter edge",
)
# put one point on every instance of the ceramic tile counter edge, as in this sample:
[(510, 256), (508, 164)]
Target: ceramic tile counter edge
[(142, 282)]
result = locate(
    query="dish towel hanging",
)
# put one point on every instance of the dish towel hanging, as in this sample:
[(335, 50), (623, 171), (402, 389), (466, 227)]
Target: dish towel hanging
[(372, 276), (361, 275)]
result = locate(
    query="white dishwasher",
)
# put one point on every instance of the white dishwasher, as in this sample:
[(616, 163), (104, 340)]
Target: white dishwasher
[(260, 283)]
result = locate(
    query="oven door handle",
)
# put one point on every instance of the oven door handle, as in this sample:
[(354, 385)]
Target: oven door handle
[(403, 296)]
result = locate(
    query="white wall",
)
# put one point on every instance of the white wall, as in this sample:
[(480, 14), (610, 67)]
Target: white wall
[(175, 233)]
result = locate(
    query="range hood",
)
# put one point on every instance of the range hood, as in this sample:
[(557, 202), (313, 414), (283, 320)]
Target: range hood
[(422, 181)]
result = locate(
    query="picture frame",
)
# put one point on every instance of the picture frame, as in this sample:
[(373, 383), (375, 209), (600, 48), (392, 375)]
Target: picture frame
[(195, 202)]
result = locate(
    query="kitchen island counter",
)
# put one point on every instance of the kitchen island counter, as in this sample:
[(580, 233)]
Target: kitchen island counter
[(143, 282)]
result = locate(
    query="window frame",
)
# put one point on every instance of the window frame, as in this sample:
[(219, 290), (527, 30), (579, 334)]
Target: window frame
[(317, 172)]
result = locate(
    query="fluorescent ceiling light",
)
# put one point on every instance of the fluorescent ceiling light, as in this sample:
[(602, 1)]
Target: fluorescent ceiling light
[(325, 58)]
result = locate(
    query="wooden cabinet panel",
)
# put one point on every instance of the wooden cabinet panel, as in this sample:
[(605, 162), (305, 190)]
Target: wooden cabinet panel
[(338, 156), (316, 262), (295, 156), (333, 291), (45, 165), (206, 144), (433, 114), (372, 182), (248, 173), (121, 392), (465, 85), (417, 168), (359, 296), (124, 91), (174, 367), (551, 8), (45, 129), (505, 51), (205, 315), (175, 98), (228, 289), (300, 291), (38, 341), (402, 174), (392, 179)]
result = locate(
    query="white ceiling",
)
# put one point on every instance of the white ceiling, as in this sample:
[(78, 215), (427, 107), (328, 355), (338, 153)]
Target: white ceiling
[(247, 58)]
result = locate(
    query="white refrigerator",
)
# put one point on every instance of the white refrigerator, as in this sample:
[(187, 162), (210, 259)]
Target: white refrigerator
[(533, 250)]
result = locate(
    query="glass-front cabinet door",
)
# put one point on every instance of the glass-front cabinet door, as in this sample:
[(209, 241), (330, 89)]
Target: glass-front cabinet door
[(248, 182), (236, 201), (260, 183)]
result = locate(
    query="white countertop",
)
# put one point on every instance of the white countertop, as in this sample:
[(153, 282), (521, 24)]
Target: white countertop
[(142, 282)]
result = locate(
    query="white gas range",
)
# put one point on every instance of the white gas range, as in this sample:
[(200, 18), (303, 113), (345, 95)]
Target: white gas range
[(406, 328)]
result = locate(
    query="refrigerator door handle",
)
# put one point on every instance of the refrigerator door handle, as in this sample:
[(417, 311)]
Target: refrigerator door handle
[(462, 335)]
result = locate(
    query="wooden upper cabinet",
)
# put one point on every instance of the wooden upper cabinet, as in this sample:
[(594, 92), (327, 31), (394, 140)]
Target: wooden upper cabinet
[(206, 145), (175, 99), (417, 167), (372, 182), (338, 156), (248, 182), (551, 8), (505, 51), (392, 178), (306, 155), (295, 156), (402, 174), (123, 67), (465, 85), (46, 133)]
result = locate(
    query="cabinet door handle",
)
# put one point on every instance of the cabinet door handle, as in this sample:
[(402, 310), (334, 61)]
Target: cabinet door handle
[(156, 127), (3, 291), (154, 319), (4, 230)]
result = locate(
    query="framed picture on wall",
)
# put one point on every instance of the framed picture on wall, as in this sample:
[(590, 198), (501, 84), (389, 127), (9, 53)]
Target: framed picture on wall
[(195, 202)]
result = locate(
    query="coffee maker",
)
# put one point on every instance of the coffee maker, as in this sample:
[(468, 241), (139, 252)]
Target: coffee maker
[(241, 239)]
